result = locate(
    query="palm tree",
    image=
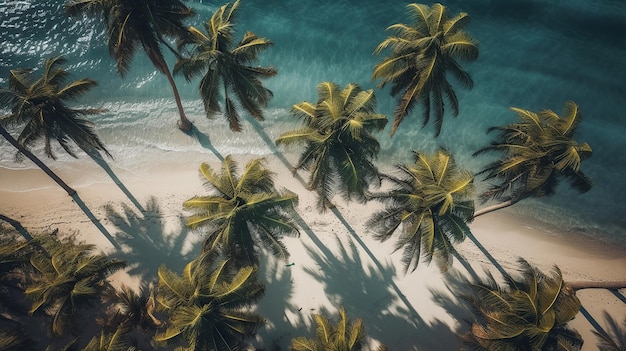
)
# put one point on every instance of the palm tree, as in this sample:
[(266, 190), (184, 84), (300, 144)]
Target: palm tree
[(206, 305), (134, 24), (67, 278), (226, 68), (115, 341), (40, 105), (528, 313), (339, 145), (429, 204), (537, 152), (243, 210), (346, 335), (615, 339), (422, 53)]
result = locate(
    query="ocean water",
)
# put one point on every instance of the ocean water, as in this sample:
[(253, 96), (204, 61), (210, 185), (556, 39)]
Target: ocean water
[(534, 54)]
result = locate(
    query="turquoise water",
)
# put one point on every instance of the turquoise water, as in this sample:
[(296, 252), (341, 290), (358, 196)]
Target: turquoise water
[(533, 55)]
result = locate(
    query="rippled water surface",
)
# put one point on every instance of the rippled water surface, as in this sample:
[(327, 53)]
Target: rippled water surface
[(533, 55)]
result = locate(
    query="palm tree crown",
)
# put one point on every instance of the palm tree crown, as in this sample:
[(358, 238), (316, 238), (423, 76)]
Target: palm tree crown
[(40, 104), (537, 152), (207, 304), (339, 145), (346, 335), (529, 313), (226, 68), (421, 55), (134, 24), (243, 209), (430, 205)]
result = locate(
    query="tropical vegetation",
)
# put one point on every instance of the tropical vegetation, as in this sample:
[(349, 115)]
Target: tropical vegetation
[(206, 305), (421, 56), (346, 335), (243, 211), (134, 24), (427, 207), (529, 312), (226, 67), (536, 153), (339, 147)]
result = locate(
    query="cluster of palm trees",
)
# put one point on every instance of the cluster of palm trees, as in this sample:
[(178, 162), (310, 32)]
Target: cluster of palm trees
[(427, 205)]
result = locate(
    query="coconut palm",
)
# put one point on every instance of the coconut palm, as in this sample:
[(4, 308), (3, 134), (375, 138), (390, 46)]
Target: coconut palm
[(114, 341), (243, 210), (207, 305), (339, 145), (14, 259), (529, 312), (429, 205), (226, 68), (67, 278), (537, 152), (346, 335), (14, 339), (40, 104), (422, 53), (134, 24)]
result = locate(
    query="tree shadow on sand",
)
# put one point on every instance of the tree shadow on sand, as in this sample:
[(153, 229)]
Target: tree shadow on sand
[(204, 141), (283, 320), (145, 244), (364, 291)]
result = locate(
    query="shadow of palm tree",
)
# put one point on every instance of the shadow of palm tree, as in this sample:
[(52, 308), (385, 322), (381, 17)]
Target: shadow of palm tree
[(205, 142), (99, 160), (95, 221), (283, 319), (352, 284), (145, 245)]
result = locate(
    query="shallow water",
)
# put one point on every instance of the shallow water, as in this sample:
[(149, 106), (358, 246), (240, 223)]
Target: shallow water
[(533, 55)]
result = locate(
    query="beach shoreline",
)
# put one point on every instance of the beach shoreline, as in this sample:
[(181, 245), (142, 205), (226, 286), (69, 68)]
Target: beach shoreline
[(336, 261)]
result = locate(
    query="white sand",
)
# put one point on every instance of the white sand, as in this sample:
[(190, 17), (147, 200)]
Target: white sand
[(335, 263)]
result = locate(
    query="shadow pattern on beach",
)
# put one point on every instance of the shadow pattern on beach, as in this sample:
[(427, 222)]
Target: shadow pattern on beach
[(144, 243)]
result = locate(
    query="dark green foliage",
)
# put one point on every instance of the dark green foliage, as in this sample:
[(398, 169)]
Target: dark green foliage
[(428, 206), (227, 68), (422, 54), (208, 305), (339, 147), (536, 153), (243, 210), (530, 312)]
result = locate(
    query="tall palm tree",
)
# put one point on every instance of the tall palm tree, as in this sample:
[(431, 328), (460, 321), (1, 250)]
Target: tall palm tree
[(422, 53), (346, 335), (338, 140), (134, 24), (243, 210), (530, 312), (207, 305), (40, 104), (537, 152), (226, 68), (67, 278), (429, 205)]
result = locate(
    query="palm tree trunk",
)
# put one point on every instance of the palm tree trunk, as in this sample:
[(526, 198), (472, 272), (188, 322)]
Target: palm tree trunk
[(495, 207), (37, 161), (610, 285)]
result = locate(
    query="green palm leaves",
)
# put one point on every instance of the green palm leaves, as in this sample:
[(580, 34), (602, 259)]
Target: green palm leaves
[(429, 204), (67, 277), (422, 53), (338, 140), (529, 313), (244, 209), (40, 104), (537, 152), (205, 304), (346, 335), (226, 68)]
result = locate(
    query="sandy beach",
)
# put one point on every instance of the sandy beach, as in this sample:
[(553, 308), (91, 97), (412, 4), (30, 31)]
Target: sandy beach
[(335, 261)]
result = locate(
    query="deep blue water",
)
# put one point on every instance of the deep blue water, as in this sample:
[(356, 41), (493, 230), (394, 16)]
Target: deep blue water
[(534, 54)]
